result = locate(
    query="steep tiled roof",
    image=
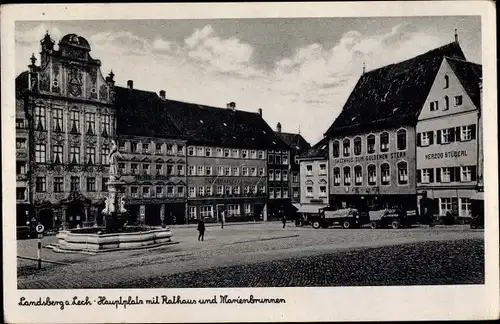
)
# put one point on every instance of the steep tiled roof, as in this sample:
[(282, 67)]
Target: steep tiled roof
[(320, 150), (392, 95), (469, 75), (222, 126), (295, 141), (21, 82), (142, 113)]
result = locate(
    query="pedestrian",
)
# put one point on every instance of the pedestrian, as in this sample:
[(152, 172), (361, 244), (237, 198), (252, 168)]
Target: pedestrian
[(283, 218), (201, 229), (223, 218)]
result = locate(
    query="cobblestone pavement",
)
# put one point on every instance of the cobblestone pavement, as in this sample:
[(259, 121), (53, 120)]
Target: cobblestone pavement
[(232, 246)]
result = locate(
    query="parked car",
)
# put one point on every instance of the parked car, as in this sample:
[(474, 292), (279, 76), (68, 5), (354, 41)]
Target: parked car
[(347, 218)]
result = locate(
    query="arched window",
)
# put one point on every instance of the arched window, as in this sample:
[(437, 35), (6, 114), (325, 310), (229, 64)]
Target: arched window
[(385, 173), (372, 175), (384, 142), (401, 135), (358, 175), (336, 176), (357, 146), (446, 81), (347, 176), (346, 146), (446, 103), (336, 149), (370, 144), (402, 173)]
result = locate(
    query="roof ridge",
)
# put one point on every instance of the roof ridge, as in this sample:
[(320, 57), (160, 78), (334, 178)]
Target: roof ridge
[(462, 61)]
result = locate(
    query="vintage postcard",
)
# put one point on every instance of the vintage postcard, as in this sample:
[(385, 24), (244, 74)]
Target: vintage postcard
[(249, 162)]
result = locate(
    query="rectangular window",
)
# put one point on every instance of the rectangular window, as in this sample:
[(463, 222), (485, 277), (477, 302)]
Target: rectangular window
[(208, 151), (244, 171), (180, 191), (228, 190), (192, 211), (145, 147), (106, 129), (180, 169), (134, 192), (74, 154), (295, 192), (192, 192), (20, 193), (445, 174), (90, 123), (253, 154), (309, 170), (285, 175), (233, 210), (191, 151), (468, 132), (322, 191), (219, 152), (191, 170), (158, 192), (170, 191), (57, 116), (208, 170), (466, 174), (285, 159), (370, 144), (58, 184), (105, 155), (262, 189), (270, 159), (133, 168), (75, 122), (134, 147), (372, 175), (75, 184), (358, 176), (58, 154), (322, 169), (20, 167), (235, 153), (180, 149), (246, 190), (104, 187), (248, 209), (295, 177), (40, 184), (220, 170), (445, 136), (285, 192), (271, 192), (347, 176), (158, 148), (20, 143), (434, 105), (208, 191), (20, 123), (159, 169), (220, 190), (253, 172), (309, 191), (427, 175), (277, 175), (244, 154), (121, 168), (90, 152), (200, 170), (261, 155), (227, 171), (170, 149), (445, 205), (40, 153), (458, 100), (277, 159), (262, 172), (236, 190), (199, 151), (236, 171), (40, 118), (424, 139), (271, 175), (465, 207), (201, 191), (336, 177), (206, 211), (145, 168), (227, 153), (90, 184)]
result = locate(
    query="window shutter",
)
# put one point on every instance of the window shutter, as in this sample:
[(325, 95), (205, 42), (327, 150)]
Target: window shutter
[(473, 131), (473, 173), (419, 176), (419, 135), (458, 133), (431, 175), (438, 174), (452, 174), (452, 134), (439, 136), (431, 137), (458, 174)]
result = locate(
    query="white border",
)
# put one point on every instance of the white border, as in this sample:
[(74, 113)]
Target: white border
[(303, 304)]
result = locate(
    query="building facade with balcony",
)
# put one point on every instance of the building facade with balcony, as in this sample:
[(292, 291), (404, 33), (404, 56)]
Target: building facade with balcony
[(69, 116), (23, 206), (448, 155), (373, 141), (314, 178), (297, 145)]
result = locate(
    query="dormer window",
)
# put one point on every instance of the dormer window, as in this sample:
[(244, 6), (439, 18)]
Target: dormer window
[(446, 81)]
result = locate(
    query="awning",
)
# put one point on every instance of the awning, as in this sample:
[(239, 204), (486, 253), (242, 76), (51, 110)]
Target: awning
[(478, 196), (310, 209)]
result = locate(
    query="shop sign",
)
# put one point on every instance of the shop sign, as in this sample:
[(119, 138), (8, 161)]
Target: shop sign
[(371, 157), (445, 155)]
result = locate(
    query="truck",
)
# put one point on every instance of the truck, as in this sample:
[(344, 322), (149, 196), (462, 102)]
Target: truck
[(392, 218), (346, 218)]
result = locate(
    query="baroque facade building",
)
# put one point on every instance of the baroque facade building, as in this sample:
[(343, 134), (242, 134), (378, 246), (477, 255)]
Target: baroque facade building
[(373, 141), (448, 144), (69, 114)]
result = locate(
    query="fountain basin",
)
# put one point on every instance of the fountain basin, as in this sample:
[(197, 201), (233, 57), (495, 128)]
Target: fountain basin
[(93, 240)]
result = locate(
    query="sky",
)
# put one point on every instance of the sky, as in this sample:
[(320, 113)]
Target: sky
[(300, 71)]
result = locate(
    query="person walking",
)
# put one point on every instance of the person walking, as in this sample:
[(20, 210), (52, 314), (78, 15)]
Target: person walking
[(201, 229), (223, 218), (283, 218)]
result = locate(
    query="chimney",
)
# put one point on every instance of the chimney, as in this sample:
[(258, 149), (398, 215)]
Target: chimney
[(456, 36), (278, 127), (260, 112), (162, 94), (130, 84)]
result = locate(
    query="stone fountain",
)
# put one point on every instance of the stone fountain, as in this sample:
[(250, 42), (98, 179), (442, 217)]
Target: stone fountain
[(113, 236)]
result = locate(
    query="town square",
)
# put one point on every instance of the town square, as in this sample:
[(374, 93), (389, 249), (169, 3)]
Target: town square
[(129, 180)]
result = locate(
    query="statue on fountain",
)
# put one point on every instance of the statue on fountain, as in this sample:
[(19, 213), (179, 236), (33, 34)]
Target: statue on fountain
[(113, 157), (111, 201)]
